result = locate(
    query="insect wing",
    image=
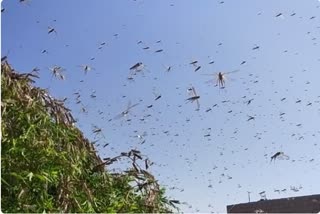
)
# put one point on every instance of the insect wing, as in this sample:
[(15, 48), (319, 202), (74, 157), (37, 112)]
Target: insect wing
[(131, 106), (283, 157), (230, 72), (213, 74), (198, 104), (119, 116), (194, 91)]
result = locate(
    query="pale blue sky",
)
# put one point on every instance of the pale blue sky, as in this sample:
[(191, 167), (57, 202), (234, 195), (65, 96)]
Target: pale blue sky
[(285, 66)]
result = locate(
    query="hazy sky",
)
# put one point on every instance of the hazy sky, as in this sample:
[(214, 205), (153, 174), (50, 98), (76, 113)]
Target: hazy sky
[(273, 44)]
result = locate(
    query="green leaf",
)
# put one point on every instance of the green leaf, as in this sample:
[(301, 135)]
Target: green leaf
[(30, 175), (19, 177)]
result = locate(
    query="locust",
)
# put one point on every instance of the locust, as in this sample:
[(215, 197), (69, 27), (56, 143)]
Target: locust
[(51, 30), (126, 111), (221, 78), (57, 72), (86, 68), (279, 155), (194, 97)]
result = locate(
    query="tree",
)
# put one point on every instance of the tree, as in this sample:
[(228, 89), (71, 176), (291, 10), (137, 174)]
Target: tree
[(48, 165)]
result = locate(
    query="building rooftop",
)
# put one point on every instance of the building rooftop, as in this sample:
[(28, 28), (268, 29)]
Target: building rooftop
[(301, 204)]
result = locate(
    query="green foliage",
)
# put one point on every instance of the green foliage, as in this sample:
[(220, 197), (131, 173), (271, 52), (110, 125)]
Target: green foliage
[(48, 166)]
